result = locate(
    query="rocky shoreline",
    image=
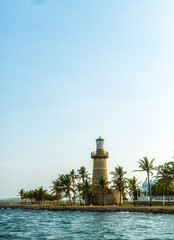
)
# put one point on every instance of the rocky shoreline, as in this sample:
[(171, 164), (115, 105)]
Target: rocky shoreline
[(138, 209)]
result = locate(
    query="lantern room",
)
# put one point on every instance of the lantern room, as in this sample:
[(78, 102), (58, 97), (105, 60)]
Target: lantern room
[(100, 143)]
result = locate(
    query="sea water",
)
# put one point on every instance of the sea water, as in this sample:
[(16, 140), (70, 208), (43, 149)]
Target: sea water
[(34, 224)]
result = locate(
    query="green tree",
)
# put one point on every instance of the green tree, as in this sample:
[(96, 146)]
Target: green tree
[(133, 188), (118, 180), (164, 177), (87, 191), (146, 166), (102, 185), (22, 194), (157, 189), (41, 195), (67, 188), (34, 194), (50, 197), (83, 174), (171, 170), (30, 195), (74, 177), (57, 189), (80, 191)]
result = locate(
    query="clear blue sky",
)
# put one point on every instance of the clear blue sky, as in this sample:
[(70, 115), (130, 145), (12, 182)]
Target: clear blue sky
[(71, 71)]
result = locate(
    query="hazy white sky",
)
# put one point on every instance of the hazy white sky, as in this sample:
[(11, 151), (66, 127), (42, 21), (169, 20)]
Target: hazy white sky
[(71, 71)]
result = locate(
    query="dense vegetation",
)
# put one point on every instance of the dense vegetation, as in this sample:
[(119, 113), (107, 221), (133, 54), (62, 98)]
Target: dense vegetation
[(76, 186)]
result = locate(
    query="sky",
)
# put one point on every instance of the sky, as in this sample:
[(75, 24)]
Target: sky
[(71, 71)]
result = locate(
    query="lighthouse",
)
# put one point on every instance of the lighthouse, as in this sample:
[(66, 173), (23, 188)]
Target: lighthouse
[(99, 161), (111, 196)]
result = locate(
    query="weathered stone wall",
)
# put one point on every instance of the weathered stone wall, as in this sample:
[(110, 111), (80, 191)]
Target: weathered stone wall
[(110, 198)]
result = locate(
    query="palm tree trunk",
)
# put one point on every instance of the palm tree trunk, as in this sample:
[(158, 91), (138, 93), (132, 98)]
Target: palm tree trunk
[(92, 199), (168, 195), (120, 192), (149, 189), (56, 198), (89, 198), (80, 199), (74, 193), (103, 197), (120, 199), (69, 198), (134, 197)]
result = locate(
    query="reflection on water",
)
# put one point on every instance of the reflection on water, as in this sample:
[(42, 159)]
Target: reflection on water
[(30, 224)]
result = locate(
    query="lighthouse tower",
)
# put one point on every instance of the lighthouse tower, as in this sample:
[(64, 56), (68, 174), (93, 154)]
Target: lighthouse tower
[(100, 161)]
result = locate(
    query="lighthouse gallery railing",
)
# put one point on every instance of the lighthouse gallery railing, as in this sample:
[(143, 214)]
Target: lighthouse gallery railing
[(100, 154)]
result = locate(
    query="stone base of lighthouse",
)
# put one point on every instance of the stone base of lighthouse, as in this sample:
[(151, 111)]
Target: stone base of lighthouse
[(111, 197)]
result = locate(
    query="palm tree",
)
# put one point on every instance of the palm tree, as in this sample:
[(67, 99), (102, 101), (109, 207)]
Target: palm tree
[(146, 166), (22, 194), (164, 176), (41, 195), (34, 194), (171, 169), (74, 176), (30, 195), (133, 188), (50, 197), (66, 182), (119, 181), (103, 185), (80, 191), (87, 191), (83, 174), (57, 189)]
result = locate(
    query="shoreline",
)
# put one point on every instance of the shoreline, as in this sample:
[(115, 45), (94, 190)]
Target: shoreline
[(133, 209)]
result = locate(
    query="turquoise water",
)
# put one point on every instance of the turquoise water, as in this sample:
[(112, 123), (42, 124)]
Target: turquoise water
[(30, 224)]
